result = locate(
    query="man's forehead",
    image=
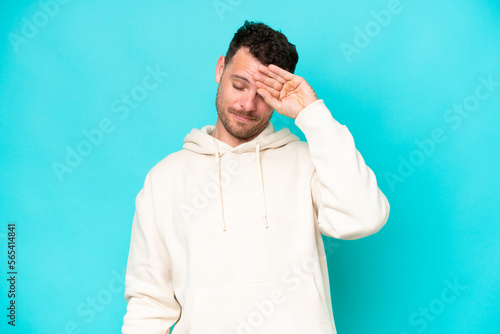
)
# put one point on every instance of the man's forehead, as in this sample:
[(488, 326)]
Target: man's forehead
[(242, 73), (240, 77), (243, 65)]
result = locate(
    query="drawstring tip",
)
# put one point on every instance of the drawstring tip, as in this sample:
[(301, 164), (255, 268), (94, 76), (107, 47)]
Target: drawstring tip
[(265, 222)]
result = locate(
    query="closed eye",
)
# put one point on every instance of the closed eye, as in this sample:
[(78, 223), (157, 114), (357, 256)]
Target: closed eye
[(238, 88)]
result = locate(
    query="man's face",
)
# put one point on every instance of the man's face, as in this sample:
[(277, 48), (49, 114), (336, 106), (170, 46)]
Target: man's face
[(242, 112)]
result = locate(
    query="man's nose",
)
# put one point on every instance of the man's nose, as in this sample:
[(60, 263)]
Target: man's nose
[(248, 101)]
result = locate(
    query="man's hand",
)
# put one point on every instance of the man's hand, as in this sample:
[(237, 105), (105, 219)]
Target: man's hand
[(285, 92)]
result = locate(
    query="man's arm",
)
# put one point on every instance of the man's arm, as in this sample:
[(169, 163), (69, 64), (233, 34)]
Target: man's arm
[(152, 307), (348, 201), (347, 198)]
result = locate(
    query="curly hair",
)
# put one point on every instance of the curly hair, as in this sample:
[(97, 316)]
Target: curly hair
[(266, 45)]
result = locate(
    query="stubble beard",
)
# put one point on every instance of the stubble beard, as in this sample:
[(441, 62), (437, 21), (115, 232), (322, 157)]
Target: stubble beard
[(242, 132)]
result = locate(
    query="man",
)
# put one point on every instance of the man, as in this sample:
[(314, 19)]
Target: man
[(226, 237)]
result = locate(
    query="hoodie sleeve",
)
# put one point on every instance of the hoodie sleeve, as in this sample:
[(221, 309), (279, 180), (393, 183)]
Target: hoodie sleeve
[(152, 306), (348, 202)]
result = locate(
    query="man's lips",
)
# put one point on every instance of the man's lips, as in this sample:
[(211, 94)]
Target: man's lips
[(242, 118)]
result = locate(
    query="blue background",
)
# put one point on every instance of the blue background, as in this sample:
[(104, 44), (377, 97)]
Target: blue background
[(68, 74)]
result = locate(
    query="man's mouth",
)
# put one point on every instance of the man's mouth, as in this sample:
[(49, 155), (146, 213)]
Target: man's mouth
[(242, 118)]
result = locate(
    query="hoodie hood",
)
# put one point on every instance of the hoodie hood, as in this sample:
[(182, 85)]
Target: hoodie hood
[(201, 141)]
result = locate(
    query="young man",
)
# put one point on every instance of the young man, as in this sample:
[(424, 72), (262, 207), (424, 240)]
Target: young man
[(226, 237)]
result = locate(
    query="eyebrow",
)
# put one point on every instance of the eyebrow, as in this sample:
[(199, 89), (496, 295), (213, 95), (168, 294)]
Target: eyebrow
[(240, 77)]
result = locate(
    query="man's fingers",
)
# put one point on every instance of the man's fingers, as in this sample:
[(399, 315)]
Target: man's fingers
[(265, 69), (281, 72), (274, 92), (269, 99), (268, 81)]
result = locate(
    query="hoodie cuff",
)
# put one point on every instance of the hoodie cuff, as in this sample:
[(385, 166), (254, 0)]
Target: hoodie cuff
[(316, 115)]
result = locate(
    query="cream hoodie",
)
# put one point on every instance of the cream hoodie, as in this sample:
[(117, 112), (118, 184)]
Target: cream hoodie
[(228, 240)]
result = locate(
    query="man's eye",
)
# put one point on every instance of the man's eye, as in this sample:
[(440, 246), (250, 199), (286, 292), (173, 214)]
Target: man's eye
[(238, 88)]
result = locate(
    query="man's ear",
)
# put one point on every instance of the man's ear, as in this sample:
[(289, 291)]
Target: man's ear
[(219, 68)]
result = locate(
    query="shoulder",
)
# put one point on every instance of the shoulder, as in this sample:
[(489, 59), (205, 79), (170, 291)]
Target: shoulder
[(297, 147), (296, 153), (169, 166)]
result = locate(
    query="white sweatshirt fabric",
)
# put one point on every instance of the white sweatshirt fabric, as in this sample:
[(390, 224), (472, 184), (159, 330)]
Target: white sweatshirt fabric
[(228, 240)]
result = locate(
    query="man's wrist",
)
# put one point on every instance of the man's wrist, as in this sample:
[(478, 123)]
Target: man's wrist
[(316, 112)]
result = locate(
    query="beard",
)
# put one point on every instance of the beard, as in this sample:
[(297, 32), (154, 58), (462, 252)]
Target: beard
[(240, 130)]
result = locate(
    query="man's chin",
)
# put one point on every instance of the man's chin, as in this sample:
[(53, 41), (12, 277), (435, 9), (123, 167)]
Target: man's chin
[(245, 131), (242, 131)]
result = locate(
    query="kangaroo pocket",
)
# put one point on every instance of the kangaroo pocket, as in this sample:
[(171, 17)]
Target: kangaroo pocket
[(290, 306)]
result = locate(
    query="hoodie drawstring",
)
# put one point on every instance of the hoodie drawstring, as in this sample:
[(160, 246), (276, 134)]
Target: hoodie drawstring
[(217, 159), (259, 171)]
